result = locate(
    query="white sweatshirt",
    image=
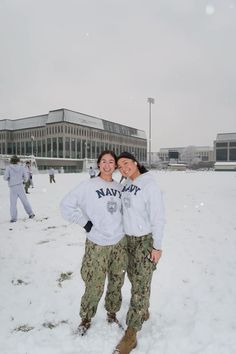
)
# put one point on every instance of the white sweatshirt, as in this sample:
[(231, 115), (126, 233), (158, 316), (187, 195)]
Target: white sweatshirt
[(143, 208), (15, 174), (100, 202)]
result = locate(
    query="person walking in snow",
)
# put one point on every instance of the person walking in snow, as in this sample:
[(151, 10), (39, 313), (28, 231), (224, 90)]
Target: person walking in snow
[(27, 183), (51, 173), (95, 204), (143, 217), (16, 174), (92, 172)]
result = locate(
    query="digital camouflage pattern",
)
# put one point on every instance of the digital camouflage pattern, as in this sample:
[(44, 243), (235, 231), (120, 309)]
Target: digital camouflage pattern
[(99, 262), (140, 270)]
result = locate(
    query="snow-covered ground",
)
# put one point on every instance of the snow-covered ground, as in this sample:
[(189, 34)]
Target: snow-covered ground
[(193, 301)]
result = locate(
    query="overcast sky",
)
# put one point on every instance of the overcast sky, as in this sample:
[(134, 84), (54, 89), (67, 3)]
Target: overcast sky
[(105, 57)]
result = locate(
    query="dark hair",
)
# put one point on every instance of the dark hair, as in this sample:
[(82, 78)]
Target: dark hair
[(127, 155), (110, 152), (14, 159), (105, 152)]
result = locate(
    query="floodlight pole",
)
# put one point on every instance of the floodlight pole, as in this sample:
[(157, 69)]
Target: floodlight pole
[(150, 101)]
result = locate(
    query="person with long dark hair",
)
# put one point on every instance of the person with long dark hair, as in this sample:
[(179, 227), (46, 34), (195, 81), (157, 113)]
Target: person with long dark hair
[(95, 204), (143, 218)]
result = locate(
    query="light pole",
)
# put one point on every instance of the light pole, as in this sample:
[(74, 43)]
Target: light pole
[(150, 101)]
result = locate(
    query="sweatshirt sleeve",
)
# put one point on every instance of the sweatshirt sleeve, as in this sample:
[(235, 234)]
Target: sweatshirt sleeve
[(71, 206), (156, 213), (24, 174), (6, 176)]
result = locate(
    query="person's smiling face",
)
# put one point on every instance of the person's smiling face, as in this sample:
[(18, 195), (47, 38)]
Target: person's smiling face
[(128, 168), (107, 166)]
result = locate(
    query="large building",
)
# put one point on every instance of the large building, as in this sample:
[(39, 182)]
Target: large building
[(64, 138), (225, 152), (225, 147), (188, 154)]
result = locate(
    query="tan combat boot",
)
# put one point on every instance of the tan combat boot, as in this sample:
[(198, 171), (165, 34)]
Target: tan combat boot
[(111, 317), (127, 343), (84, 326)]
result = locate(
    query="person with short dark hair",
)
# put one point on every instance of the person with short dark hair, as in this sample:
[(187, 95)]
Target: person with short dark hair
[(16, 174)]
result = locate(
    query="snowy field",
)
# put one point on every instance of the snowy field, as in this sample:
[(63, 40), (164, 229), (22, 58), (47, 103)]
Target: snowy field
[(193, 301)]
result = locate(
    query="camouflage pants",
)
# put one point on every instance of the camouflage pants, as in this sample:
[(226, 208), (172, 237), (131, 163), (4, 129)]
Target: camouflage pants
[(140, 270), (99, 262), (27, 185)]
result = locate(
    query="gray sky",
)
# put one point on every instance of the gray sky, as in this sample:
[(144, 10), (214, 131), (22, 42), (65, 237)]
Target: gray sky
[(105, 57)]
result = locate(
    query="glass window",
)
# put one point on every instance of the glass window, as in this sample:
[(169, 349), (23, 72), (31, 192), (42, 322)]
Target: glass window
[(232, 155), (60, 147), (221, 154), (54, 147), (221, 144), (79, 156), (73, 148), (67, 148), (49, 147)]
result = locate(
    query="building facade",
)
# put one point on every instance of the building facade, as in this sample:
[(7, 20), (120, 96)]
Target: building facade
[(187, 154), (65, 138), (225, 147)]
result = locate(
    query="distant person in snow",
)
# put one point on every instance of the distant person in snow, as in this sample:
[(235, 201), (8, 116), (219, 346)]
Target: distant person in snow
[(16, 174), (92, 172), (95, 204), (27, 183), (51, 173), (143, 218)]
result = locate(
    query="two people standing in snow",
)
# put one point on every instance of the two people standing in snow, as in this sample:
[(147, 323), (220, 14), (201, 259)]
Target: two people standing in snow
[(95, 204), (143, 223), (16, 174)]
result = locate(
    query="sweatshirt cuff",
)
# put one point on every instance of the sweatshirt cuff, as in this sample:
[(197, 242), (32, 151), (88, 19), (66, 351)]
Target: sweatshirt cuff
[(157, 245), (88, 226)]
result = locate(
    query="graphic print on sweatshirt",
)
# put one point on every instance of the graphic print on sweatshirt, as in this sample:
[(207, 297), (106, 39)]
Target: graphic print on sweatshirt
[(129, 191), (112, 206)]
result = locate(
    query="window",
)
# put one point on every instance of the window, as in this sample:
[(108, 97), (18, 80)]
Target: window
[(232, 155), (49, 147), (67, 148), (54, 147), (221, 144), (221, 154), (60, 147)]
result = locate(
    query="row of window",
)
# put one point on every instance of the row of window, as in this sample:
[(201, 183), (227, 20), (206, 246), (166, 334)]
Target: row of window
[(72, 130), (225, 154), (68, 148), (226, 144)]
